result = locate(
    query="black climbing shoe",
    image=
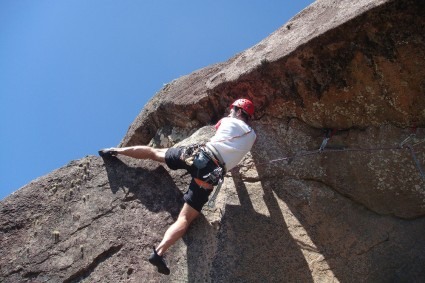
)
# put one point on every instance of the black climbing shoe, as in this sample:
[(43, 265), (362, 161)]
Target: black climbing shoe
[(159, 262), (105, 153)]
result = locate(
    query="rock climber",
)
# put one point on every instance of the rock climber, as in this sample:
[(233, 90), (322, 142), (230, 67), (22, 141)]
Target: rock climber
[(206, 163)]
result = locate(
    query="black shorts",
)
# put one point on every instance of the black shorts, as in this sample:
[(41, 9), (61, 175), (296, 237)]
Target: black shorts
[(195, 196)]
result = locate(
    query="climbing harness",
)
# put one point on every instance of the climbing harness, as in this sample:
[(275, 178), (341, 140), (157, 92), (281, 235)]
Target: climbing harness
[(190, 153), (217, 175), (199, 155)]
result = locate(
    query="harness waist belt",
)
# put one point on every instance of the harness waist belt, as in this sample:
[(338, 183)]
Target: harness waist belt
[(203, 184), (215, 154)]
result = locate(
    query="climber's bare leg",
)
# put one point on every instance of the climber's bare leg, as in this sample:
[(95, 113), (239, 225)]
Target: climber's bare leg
[(178, 228), (141, 152)]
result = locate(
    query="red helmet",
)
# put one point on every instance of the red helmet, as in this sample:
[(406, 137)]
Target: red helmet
[(245, 104)]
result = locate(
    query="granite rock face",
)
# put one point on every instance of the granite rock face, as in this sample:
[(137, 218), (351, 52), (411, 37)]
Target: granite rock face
[(90, 221), (332, 191)]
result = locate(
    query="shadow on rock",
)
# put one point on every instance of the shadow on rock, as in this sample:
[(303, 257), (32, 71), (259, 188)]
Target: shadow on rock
[(353, 241), (146, 182), (255, 247)]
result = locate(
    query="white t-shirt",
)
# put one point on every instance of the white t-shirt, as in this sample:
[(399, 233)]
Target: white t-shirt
[(233, 139)]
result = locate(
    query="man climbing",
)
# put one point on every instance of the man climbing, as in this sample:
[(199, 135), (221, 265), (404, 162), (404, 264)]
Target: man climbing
[(206, 163)]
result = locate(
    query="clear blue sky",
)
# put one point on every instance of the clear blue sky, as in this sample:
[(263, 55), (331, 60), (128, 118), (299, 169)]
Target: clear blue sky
[(75, 74)]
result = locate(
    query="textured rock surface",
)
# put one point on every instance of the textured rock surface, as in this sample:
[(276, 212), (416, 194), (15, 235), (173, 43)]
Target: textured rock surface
[(289, 213), (88, 220)]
